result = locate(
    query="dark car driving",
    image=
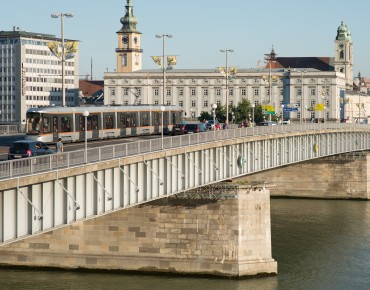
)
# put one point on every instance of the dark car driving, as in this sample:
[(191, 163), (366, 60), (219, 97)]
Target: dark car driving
[(178, 129), (25, 148)]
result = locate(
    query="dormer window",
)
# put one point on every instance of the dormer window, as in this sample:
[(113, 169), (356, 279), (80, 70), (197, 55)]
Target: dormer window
[(341, 54)]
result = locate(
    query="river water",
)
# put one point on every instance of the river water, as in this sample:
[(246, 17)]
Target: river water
[(319, 244)]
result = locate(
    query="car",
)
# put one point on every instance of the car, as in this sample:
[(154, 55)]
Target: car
[(267, 123), (211, 125), (192, 128), (286, 122), (178, 129), (28, 148)]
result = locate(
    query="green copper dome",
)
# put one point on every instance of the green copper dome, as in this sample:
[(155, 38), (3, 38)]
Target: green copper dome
[(343, 33), (129, 21)]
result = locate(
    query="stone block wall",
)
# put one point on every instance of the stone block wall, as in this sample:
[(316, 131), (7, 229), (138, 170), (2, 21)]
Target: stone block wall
[(339, 177), (225, 237)]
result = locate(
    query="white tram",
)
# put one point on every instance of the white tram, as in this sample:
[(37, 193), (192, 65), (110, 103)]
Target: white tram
[(47, 124)]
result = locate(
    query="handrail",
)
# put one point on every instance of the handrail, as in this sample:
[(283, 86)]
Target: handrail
[(29, 166)]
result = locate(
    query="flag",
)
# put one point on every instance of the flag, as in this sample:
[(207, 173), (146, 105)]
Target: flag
[(54, 48), (222, 70), (70, 49), (171, 60), (232, 72), (157, 60)]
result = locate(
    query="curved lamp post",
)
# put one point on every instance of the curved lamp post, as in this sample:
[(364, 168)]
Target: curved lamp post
[(163, 36), (62, 15), (162, 110), (226, 51), (282, 113), (85, 114), (214, 107), (253, 106)]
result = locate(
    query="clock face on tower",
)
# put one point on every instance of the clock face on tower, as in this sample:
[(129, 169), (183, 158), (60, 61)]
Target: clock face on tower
[(125, 39)]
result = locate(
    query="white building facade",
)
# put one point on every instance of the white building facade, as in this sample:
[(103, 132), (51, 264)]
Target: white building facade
[(197, 90), (31, 76), (314, 90)]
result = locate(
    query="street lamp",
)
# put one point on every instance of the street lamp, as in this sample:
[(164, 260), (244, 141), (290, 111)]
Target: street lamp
[(226, 51), (253, 106), (163, 36), (282, 113), (62, 15), (162, 110), (85, 114), (214, 107)]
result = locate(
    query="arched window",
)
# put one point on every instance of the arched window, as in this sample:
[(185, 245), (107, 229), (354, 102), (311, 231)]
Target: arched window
[(124, 59), (341, 54), (341, 70)]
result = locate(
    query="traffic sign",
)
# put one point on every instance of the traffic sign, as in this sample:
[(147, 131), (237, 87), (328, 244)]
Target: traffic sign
[(290, 109)]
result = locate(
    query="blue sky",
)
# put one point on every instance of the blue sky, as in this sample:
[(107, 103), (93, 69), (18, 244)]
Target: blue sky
[(200, 29)]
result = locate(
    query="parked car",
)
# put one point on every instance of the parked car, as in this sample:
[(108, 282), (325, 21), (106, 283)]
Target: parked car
[(267, 123), (27, 148), (211, 125), (192, 128), (178, 129)]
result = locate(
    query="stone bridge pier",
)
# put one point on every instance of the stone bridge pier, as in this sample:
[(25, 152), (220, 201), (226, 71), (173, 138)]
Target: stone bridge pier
[(221, 230)]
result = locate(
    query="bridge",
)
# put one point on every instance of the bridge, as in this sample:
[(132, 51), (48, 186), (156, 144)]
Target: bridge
[(51, 193)]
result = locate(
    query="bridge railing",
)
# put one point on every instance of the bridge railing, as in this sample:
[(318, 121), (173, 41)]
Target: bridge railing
[(9, 129), (34, 165)]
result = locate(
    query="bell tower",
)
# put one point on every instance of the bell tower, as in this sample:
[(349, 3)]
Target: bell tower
[(343, 60), (129, 52)]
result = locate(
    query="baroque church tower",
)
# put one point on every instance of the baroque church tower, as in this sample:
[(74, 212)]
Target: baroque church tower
[(129, 52), (343, 60)]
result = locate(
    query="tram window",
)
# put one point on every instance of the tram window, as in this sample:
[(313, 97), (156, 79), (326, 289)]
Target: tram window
[(156, 119), (95, 122), (122, 120), (66, 124), (33, 123), (134, 118), (144, 119), (82, 123), (46, 125), (108, 121), (165, 118)]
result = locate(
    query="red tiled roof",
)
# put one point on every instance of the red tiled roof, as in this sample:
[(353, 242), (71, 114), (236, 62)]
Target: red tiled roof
[(89, 88), (319, 63)]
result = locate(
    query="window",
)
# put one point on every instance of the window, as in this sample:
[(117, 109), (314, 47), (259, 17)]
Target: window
[(205, 92), (243, 92), (231, 91), (341, 54), (312, 91), (193, 103), (144, 119), (66, 124), (125, 92), (156, 102), (156, 91), (205, 103), (181, 92), (256, 92), (108, 120), (168, 103), (218, 92), (299, 92), (124, 60), (112, 92), (181, 103), (192, 91), (168, 92)]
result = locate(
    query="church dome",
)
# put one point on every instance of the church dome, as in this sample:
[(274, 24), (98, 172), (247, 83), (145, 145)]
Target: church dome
[(129, 21), (343, 32)]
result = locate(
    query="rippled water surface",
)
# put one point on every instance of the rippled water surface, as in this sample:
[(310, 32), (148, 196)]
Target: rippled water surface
[(318, 245)]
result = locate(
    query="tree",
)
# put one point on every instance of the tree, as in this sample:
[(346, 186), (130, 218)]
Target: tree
[(205, 116)]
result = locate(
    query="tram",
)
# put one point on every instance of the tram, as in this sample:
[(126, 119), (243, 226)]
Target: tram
[(47, 124)]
